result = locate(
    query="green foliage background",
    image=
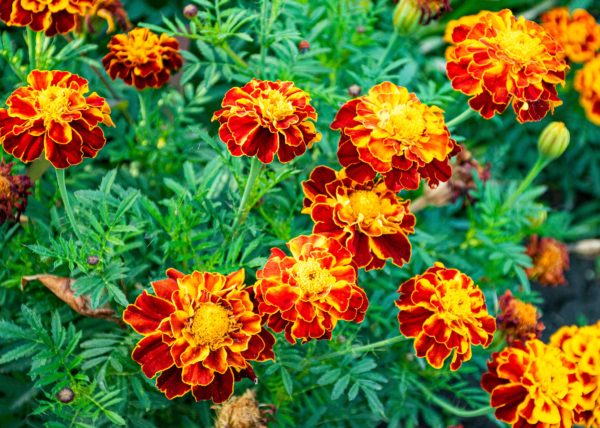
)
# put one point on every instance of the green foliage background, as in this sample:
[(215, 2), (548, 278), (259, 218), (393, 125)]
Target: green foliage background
[(164, 191)]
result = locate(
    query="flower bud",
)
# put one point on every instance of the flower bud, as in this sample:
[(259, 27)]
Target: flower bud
[(65, 395), (190, 11), (407, 16), (354, 90), (554, 140), (93, 260), (303, 46)]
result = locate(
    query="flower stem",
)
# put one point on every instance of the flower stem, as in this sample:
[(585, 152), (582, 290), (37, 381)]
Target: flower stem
[(391, 43), (364, 348), (60, 179), (243, 208), (460, 118), (30, 39), (235, 57), (539, 165), (456, 411)]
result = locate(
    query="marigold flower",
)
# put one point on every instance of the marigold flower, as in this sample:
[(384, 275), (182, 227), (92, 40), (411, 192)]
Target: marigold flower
[(586, 83), (581, 346), (577, 33), (550, 259), (408, 14), (500, 60), (306, 294), (52, 17), (518, 320), (446, 313), (53, 114), (201, 331), (368, 219), (14, 190), (265, 118), (111, 11), (142, 58), (390, 132), (532, 385)]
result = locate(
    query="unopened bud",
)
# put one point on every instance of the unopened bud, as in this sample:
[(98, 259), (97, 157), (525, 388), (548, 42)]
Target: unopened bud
[(554, 140), (303, 46), (360, 29), (407, 16), (190, 11), (354, 90), (65, 395), (93, 260)]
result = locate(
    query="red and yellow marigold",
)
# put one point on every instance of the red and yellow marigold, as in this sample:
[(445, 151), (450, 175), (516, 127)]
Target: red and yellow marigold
[(446, 313), (265, 119), (532, 385), (518, 320), (368, 219), (498, 60), (51, 16), (391, 133), (53, 115), (142, 58), (201, 331), (578, 33), (586, 83), (307, 293), (550, 260), (581, 346)]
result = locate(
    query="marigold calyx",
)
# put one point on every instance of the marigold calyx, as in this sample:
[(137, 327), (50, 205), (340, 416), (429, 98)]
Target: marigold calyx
[(554, 140)]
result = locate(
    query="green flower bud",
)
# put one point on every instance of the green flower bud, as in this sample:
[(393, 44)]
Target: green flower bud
[(407, 16), (554, 140)]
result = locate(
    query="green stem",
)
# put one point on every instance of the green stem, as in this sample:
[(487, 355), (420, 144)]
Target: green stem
[(539, 165), (235, 57), (60, 178), (391, 43), (364, 348), (242, 211), (30, 40), (460, 118), (456, 411)]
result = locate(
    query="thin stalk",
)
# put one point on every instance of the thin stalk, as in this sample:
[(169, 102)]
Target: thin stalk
[(391, 43), (539, 165), (235, 57), (30, 40), (243, 208), (460, 118), (364, 348), (456, 411), (60, 179)]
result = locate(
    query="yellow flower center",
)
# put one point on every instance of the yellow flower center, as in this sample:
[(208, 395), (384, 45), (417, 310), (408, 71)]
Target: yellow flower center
[(274, 106), (312, 278), (403, 121), (520, 46), (141, 45), (525, 313), (457, 303), (5, 188), (54, 102), (549, 259), (365, 204), (551, 376), (211, 323)]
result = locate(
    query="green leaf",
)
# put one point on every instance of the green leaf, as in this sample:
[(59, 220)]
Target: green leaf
[(340, 387)]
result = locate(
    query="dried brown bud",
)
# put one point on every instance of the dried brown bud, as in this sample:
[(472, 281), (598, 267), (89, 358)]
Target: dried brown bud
[(242, 412), (190, 11), (65, 395), (93, 260), (354, 90)]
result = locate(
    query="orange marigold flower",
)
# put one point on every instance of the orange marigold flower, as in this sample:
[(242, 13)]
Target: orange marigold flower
[(550, 259), (52, 17), (578, 33), (111, 11), (499, 59), (201, 331), (306, 294), (14, 190), (390, 132), (368, 219), (466, 20), (532, 385), (265, 118), (586, 83), (53, 114), (518, 320), (142, 58), (581, 346), (445, 311)]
